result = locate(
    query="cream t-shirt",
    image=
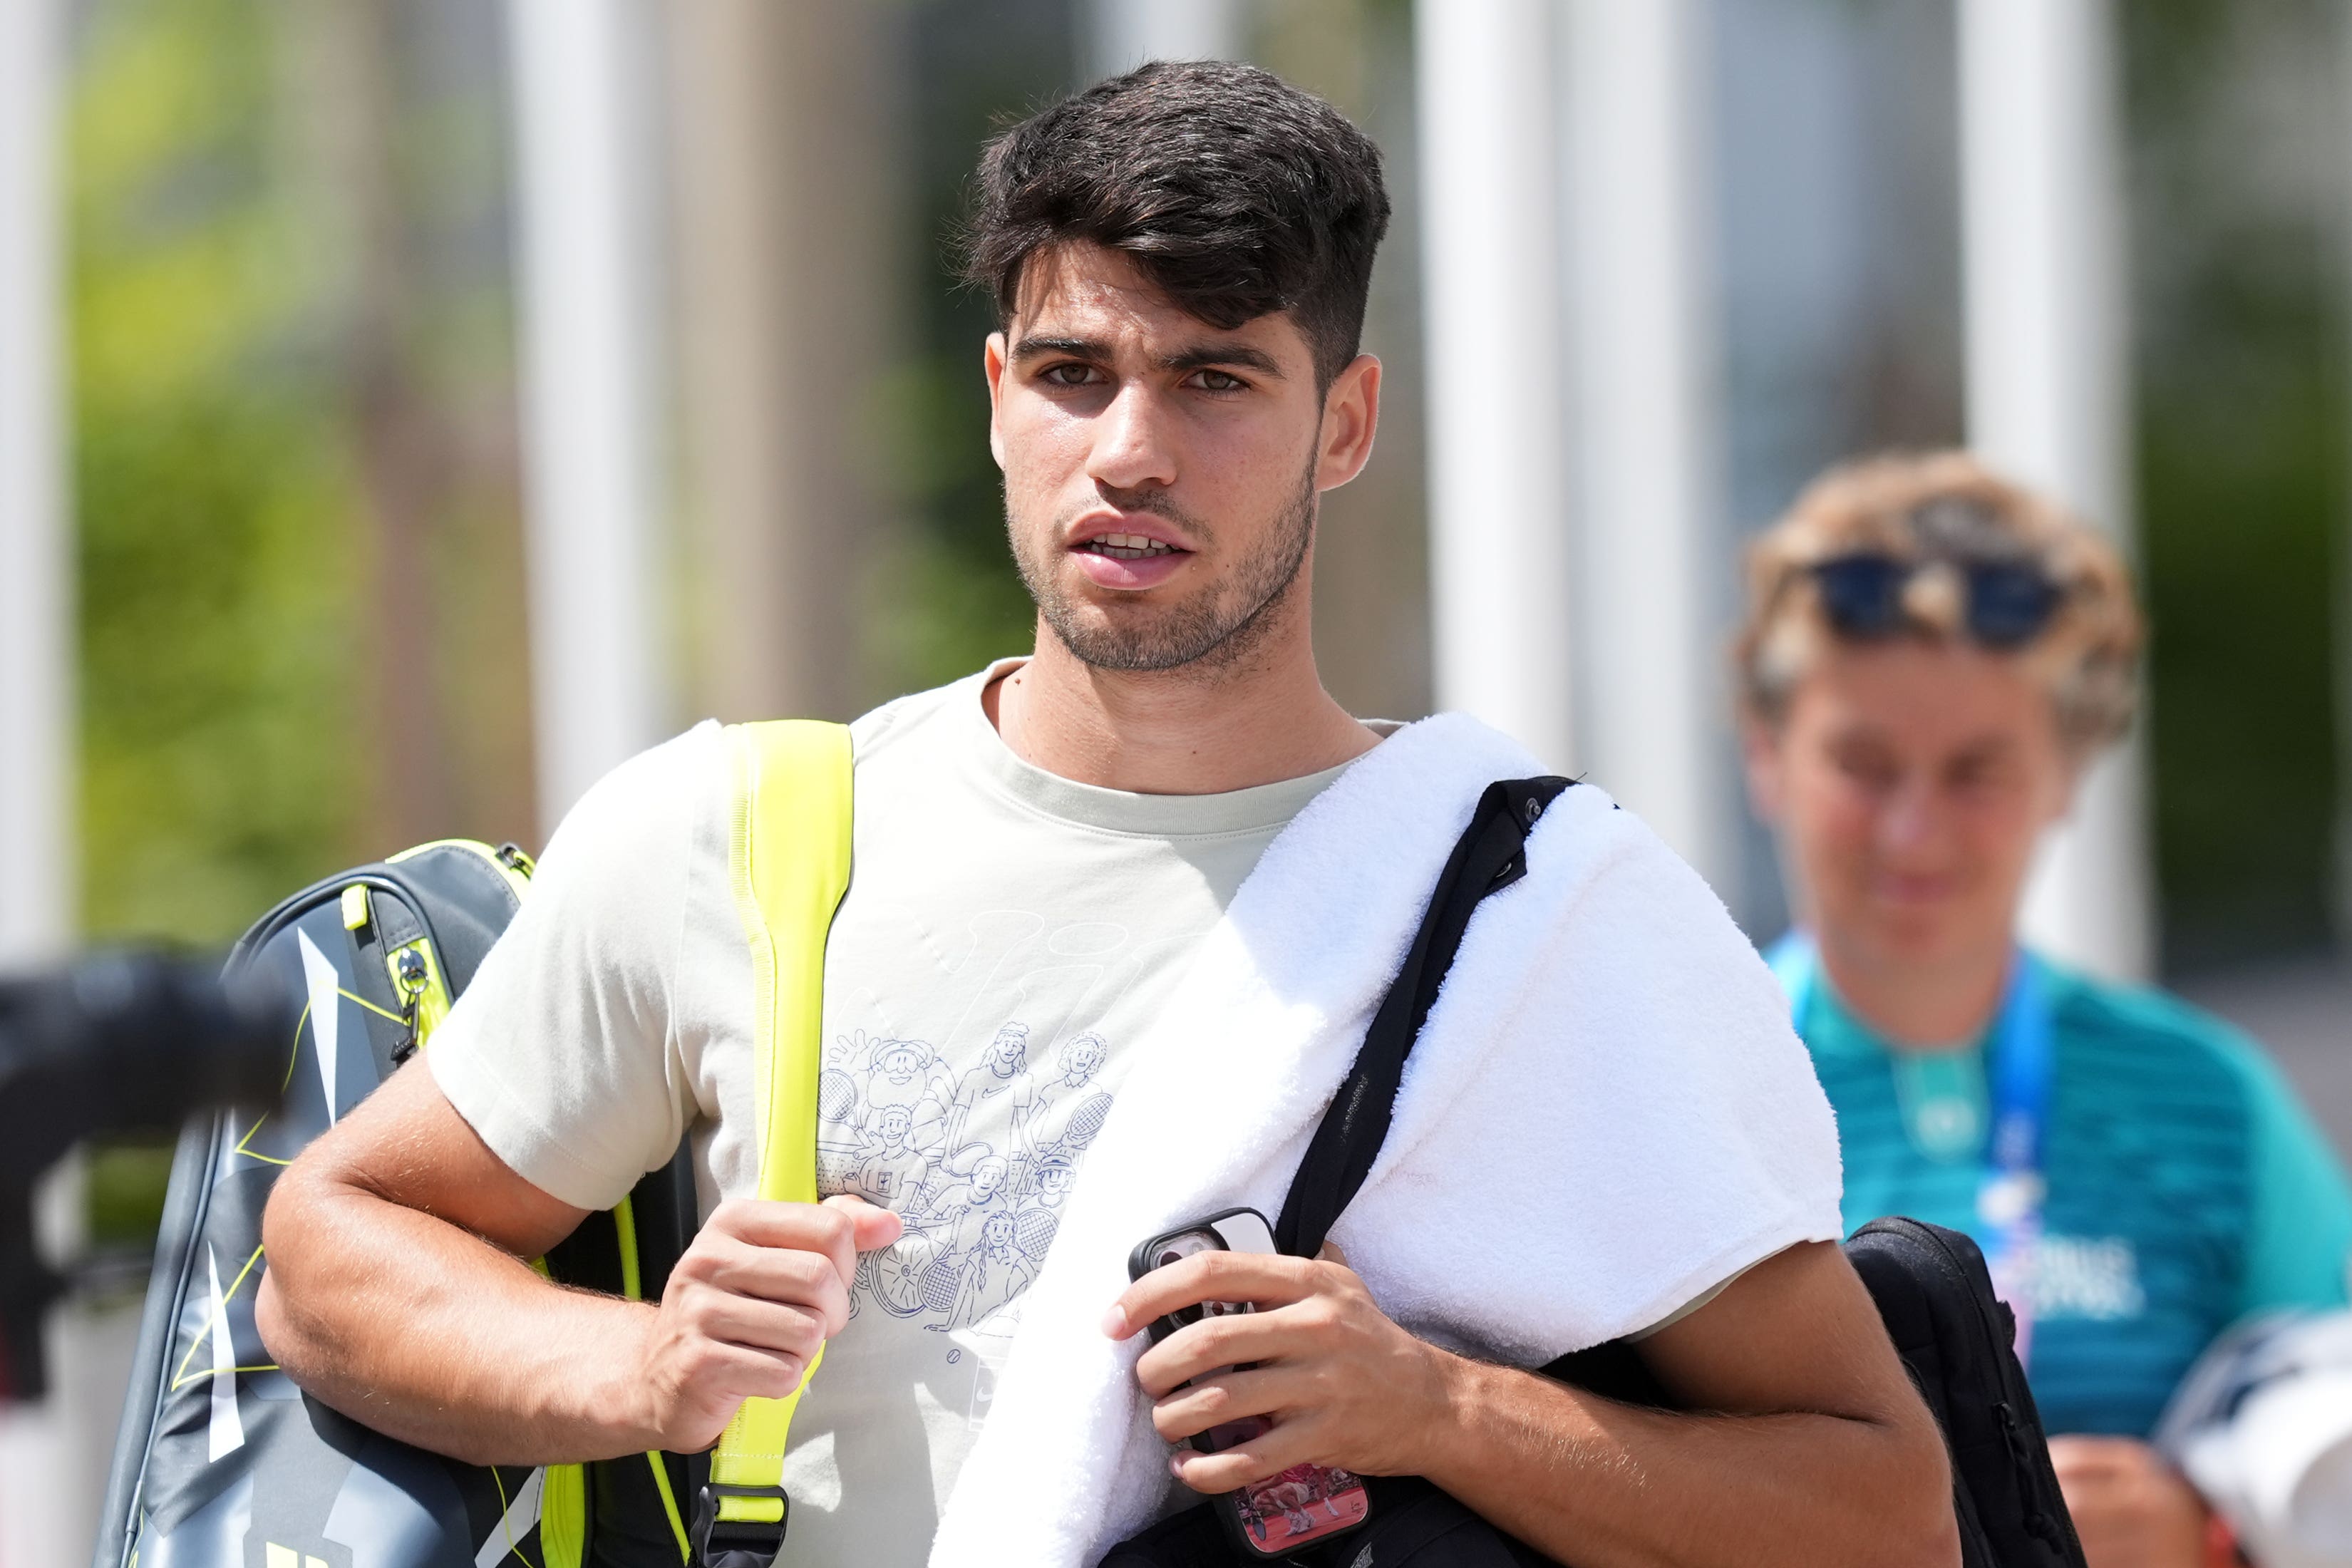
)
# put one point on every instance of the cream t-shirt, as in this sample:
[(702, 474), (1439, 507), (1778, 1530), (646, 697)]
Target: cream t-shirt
[(1006, 936)]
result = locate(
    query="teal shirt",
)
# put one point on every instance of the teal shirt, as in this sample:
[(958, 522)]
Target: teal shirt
[(2187, 1185)]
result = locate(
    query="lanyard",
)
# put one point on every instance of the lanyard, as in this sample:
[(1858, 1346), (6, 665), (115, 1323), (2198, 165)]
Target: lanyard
[(2010, 1193)]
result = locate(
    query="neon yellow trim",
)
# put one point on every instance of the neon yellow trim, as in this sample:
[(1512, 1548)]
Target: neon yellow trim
[(670, 1506), (378, 1012), (563, 1516), (633, 1289), (203, 1372), (355, 906), (433, 1002), (751, 1510), (206, 1333), (294, 1057), (625, 1231), (517, 881), (790, 865), (514, 1548), (241, 1149)]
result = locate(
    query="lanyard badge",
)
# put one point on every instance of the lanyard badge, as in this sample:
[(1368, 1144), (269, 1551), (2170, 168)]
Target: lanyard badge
[(2012, 1190)]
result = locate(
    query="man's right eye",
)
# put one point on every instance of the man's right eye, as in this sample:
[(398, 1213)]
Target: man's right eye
[(1070, 375)]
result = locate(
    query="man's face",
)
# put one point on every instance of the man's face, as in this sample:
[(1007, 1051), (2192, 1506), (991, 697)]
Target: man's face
[(1161, 475), (1008, 1051), (986, 1177), (899, 1066), (1910, 782)]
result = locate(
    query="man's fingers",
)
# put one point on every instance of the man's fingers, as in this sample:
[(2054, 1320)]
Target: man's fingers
[(746, 1373), (1214, 1343), (1214, 1401), (823, 1229), (875, 1227), (760, 1325), (1269, 1452), (1254, 1277)]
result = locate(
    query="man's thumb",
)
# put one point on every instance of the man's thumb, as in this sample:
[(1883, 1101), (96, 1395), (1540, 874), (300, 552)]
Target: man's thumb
[(876, 1227)]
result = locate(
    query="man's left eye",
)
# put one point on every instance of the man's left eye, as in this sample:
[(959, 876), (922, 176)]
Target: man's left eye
[(1219, 381)]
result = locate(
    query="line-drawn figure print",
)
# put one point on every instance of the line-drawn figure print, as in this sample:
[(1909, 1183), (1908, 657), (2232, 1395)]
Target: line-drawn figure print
[(1000, 1083), (865, 1079), (978, 1166), (1068, 1115), (994, 1271), (890, 1169)]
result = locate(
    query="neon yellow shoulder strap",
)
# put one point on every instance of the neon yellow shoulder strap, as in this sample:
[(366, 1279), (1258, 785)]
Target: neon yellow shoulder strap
[(790, 861)]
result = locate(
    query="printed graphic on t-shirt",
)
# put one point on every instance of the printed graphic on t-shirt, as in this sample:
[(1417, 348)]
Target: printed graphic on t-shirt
[(978, 1164)]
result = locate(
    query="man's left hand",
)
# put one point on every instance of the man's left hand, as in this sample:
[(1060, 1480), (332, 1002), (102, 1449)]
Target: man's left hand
[(1342, 1384), (2130, 1507)]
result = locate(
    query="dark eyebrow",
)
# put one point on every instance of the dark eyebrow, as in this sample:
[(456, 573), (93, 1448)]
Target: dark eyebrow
[(1040, 347), (1200, 356), (1214, 356)]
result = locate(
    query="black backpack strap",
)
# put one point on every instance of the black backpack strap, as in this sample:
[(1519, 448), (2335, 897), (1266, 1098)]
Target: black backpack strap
[(1491, 854)]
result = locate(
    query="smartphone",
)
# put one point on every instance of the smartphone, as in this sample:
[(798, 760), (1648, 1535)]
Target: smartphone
[(1304, 1506)]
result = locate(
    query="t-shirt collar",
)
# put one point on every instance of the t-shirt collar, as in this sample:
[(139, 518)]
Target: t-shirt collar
[(998, 767)]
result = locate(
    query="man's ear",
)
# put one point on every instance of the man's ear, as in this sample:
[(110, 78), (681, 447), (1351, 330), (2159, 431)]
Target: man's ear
[(992, 362), (1351, 417), (1761, 760)]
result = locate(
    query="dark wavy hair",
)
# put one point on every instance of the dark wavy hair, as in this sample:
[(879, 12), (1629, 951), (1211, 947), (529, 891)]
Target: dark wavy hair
[(1236, 194)]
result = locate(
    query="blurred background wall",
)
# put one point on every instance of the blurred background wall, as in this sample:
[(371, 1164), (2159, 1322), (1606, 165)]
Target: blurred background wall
[(447, 398)]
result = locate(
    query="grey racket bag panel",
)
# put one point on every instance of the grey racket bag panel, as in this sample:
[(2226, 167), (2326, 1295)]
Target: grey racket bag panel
[(221, 1462)]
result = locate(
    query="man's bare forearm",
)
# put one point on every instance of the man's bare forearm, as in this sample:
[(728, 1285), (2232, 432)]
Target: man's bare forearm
[(1604, 1485), (430, 1334)]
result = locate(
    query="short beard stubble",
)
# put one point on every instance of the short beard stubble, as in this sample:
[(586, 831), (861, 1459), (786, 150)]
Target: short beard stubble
[(1215, 628)]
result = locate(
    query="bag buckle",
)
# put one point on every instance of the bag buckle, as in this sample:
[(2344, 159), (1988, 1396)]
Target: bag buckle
[(748, 1540)]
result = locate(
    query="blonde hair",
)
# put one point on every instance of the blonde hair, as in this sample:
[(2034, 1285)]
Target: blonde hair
[(1946, 511)]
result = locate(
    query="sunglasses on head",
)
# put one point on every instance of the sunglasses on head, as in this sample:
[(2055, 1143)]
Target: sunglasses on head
[(2009, 603)]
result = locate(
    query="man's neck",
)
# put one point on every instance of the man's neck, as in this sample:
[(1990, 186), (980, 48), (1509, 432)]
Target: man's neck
[(1919, 1008), (1257, 720)]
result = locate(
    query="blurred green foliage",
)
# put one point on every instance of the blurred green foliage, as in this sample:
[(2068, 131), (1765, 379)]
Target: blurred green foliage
[(2241, 342), (220, 753), (976, 69)]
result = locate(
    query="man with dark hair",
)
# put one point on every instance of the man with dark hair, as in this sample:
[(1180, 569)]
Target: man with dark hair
[(1157, 834)]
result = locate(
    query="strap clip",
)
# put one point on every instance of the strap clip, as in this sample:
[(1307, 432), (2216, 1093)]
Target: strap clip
[(745, 1539)]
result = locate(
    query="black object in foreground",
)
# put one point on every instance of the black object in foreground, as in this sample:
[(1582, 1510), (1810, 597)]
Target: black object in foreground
[(1958, 1339), (117, 1042)]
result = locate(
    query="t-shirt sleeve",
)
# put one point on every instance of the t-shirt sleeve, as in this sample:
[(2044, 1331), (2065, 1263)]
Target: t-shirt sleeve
[(562, 1054), (1633, 1117), (2299, 1245)]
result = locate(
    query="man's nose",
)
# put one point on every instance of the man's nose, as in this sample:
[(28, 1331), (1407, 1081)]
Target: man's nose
[(1132, 450), (1908, 818)]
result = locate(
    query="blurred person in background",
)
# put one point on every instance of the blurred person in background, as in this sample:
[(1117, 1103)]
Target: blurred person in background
[(1932, 658)]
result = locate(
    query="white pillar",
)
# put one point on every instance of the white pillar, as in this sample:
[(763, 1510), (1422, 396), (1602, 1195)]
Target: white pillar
[(2048, 381), (1499, 468), (586, 150), (36, 571), (1119, 34), (1651, 542), (47, 1488)]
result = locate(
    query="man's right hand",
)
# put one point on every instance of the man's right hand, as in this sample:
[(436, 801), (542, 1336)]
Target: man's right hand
[(396, 1292), (747, 1306)]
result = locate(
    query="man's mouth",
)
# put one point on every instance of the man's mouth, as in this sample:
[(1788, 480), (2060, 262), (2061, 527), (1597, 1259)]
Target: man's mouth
[(1126, 547)]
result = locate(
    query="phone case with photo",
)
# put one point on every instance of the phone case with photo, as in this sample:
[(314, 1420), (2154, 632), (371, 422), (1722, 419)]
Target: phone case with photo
[(1304, 1506)]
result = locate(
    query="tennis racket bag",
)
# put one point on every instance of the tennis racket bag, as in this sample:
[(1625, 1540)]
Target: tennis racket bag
[(221, 1462)]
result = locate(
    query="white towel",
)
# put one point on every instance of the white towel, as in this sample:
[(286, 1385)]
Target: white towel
[(1606, 1115)]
